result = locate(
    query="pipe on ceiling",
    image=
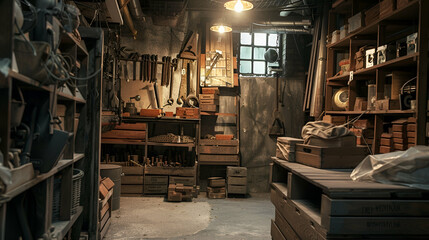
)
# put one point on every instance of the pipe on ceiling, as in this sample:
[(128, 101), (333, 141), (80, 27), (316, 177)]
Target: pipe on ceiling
[(127, 17), (302, 23), (135, 9), (273, 29)]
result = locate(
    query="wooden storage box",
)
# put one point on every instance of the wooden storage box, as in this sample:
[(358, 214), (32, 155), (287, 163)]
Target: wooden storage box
[(210, 90), (387, 7), (236, 171), (320, 157), (209, 102), (186, 181), (209, 108), (237, 181), (346, 141), (191, 113), (132, 189), (155, 189), (237, 189), (150, 112), (132, 180), (356, 22), (209, 96), (132, 170), (218, 159), (216, 182), (372, 14), (149, 179), (218, 147)]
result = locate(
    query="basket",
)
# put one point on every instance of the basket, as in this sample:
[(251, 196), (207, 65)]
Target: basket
[(77, 183), (56, 200)]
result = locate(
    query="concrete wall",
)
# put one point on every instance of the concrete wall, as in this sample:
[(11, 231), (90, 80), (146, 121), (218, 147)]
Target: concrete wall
[(258, 99), (161, 41)]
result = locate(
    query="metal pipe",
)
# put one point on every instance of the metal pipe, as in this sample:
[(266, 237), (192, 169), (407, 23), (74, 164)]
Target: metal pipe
[(273, 29), (127, 18), (136, 9), (304, 22)]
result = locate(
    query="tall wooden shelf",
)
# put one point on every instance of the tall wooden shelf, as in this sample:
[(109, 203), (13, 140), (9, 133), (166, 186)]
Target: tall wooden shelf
[(80, 151), (393, 26)]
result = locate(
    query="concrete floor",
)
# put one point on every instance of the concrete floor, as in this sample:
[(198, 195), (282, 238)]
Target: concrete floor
[(201, 219)]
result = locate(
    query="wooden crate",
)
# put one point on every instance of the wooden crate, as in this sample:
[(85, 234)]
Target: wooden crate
[(219, 150), (210, 90), (327, 204), (319, 157), (209, 96), (133, 189), (236, 172), (150, 112), (216, 182), (209, 107), (237, 189), (155, 189), (149, 179), (218, 159), (132, 170), (237, 180), (187, 181), (209, 102), (132, 180)]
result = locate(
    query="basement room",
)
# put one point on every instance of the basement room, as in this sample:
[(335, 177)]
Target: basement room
[(214, 119)]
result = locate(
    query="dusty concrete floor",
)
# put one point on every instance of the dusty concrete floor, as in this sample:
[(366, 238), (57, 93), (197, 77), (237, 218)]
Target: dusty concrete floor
[(201, 219)]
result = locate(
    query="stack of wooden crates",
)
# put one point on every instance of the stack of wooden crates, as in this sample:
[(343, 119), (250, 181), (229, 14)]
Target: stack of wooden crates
[(219, 152), (154, 184), (131, 181), (209, 100), (216, 188), (237, 180)]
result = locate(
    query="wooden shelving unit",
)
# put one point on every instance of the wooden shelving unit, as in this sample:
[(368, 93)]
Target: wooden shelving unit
[(385, 29), (36, 187)]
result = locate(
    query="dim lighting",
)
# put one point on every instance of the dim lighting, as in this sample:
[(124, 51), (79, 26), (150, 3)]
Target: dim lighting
[(238, 5), (220, 28)]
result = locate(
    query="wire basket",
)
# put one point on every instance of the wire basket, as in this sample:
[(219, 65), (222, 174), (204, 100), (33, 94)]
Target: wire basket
[(56, 200), (77, 184)]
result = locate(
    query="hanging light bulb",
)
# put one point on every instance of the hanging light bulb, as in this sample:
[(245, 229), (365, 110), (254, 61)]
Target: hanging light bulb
[(220, 28), (238, 5)]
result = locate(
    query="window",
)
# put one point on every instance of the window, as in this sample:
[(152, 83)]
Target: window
[(252, 49)]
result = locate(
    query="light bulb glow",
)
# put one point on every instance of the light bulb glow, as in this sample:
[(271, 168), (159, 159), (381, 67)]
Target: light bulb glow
[(221, 29), (238, 6)]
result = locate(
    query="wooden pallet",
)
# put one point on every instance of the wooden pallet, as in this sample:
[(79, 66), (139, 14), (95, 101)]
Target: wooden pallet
[(327, 204)]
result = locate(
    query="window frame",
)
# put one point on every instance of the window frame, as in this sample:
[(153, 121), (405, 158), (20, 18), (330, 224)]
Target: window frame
[(253, 46)]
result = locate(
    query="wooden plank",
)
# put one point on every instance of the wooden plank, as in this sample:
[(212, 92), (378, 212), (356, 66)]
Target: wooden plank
[(105, 229), (237, 180), (155, 189), (405, 226), (236, 171), (221, 150), (131, 189), (148, 179), (104, 209), (213, 142), (131, 126), (236, 189), (275, 232), (124, 134), (186, 181), (132, 180), (132, 170), (284, 227), (372, 207)]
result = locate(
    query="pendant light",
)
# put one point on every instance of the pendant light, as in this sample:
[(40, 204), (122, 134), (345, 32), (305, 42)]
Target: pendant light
[(238, 5), (220, 28)]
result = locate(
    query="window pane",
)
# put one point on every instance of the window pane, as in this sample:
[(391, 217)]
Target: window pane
[(272, 40), (258, 67), (258, 53), (260, 39), (246, 38), (245, 52), (245, 66)]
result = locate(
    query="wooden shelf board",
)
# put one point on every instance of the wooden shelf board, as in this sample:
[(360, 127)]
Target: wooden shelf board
[(65, 96), (404, 61), (124, 142), (372, 112), (406, 13), (188, 145), (63, 227), (68, 38), (29, 184), (161, 119), (218, 114), (30, 82)]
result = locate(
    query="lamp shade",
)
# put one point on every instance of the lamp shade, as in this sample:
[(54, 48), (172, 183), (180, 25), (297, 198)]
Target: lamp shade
[(238, 5), (220, 28)]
